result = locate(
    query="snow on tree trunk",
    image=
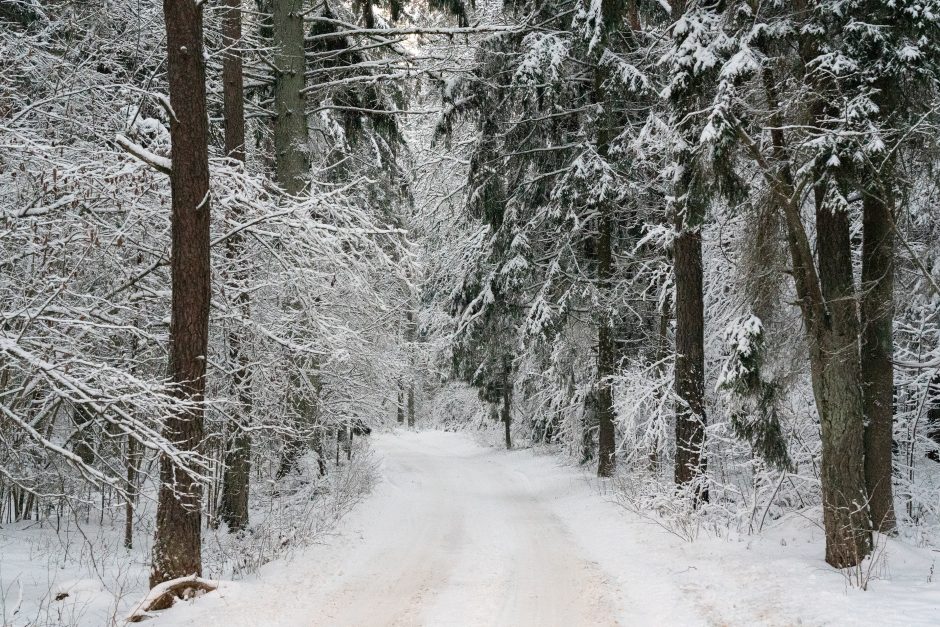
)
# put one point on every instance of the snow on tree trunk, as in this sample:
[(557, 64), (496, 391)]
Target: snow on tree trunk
[(235, 481), (690, 359)]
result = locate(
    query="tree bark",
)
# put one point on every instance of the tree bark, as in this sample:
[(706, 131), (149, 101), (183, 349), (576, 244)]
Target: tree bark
[(933, 418), (235, 483), (690, 358), (233, 90), (606, 446), (292, 164), (828, 305), (348, 439), (177, 542), (318, 448), (291, 138), (842, 405), (662, 347), (877, 351), (606, 350), (410, 336), (133, 461), (506, 416), (688, 215)]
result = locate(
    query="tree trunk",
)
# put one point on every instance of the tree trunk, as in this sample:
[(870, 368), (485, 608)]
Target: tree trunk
[(507, 424), (347, 439), (292, 162), (290, 455), (341, 436), (233, 91), (410, 336), (827, 302), (291, 138), (606, 446), (933, 419), (877, 352), (606, 353), (690, 357), (688, 214), (401, 406), (506, 416), (842, 413), (588, 427), (133, 461), (318, 448), (235, 483), (662, 347), (177, 542)]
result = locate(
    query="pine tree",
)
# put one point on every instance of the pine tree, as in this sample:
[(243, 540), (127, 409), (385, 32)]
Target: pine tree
[(235, 482), (177, 549), (696, 50)]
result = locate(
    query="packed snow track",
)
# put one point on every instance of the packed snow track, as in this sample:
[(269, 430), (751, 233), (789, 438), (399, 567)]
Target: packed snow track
[(459, 534), (452, 537)]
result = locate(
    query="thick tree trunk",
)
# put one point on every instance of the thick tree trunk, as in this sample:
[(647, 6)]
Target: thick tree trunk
[(342, 437), (233, 91), (690, 358), (292, 162), (688, 216), (828, 304), (401, 406), (877, 352), (589, 427), (842, 405), (291, 138), (235, 483), (177, 542), (411, 405)]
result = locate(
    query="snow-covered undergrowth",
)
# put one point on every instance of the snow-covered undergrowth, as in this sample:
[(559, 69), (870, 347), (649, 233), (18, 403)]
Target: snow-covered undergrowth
[(774, 576), (75, 570), (755, 511)]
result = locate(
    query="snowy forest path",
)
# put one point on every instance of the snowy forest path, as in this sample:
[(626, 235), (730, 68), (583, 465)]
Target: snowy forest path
[(455, 534)]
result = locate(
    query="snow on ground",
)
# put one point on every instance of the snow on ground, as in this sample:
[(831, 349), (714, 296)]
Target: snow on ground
[(459, 534), (76, 576), (74, 571)]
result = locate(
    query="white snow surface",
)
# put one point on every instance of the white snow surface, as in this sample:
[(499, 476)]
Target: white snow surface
[(461, 534)]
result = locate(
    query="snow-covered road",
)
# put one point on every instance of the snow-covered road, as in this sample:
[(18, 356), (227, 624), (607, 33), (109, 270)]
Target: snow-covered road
[(456, 539), (460, 534)]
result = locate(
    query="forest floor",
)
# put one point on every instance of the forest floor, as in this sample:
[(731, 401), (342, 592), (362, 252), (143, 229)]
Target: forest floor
[(461, 534)]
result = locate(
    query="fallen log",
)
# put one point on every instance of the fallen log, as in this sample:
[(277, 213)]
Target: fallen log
[(163, 595)]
